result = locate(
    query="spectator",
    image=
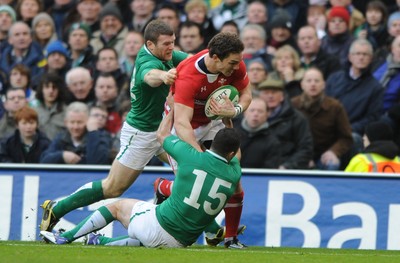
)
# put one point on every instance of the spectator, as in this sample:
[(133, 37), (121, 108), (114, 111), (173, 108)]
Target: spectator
[(107, 62), (388, 74), (393, 28), (296, 11), (380, 153), (257, 13), (132, 44), (7, 18), (338, 39), (392, 118), (50, 104), (89, 11), (80, 85), (196, 11), (3, 85), (288, 125), (82, 143), (57, 62), (61, 11), (286, 65), (257, 72), (81, 52), (374, 29), (20, 77), (15, 100), (27, 10), (112, 30), (356, 18), (21, 49), (259, 148), (230, 26), (317, 19), (359, 92), (100, 114), (229, 10), (329, 124), (312, 54), (254, 39), (143, 13), (27, 143), (44, 30), (279, 32), (169, 14), (106, 94), (191, 39), (124, 108), (124, 7)]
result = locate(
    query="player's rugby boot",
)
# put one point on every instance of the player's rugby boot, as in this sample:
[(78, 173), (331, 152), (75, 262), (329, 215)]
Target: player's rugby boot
[(48, 219), (214, 239)]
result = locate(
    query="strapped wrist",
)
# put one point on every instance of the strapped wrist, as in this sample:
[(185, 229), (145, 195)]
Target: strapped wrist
[(238, 110)]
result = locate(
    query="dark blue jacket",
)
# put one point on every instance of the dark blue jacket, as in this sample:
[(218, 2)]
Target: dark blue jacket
[(362, 98), (31, 60), (392, 89), (12, 149), (95, 148)]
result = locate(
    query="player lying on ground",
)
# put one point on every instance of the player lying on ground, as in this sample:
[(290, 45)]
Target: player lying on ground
[(206, 181)]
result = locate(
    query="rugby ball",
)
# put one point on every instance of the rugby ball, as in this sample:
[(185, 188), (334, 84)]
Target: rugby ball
[(230, 91)]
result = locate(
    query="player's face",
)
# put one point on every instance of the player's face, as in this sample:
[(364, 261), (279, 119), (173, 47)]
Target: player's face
[(164, 47), (229, 64)]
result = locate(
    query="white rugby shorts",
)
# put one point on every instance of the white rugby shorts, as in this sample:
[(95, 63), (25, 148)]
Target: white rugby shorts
[(137, 147), (144, 226)]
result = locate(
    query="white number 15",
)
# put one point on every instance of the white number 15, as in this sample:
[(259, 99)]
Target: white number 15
[(198, 185)]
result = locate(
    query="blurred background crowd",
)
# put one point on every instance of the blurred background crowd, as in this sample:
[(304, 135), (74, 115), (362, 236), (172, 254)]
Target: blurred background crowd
[(325, 76)]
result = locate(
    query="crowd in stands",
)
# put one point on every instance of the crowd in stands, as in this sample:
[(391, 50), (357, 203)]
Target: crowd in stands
[(320, 71)]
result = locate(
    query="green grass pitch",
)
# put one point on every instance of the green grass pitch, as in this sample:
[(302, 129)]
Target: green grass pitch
[(32, 252)]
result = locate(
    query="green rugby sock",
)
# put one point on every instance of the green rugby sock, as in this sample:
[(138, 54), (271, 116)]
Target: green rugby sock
[(97, 220), (85, 195), (119, 241)]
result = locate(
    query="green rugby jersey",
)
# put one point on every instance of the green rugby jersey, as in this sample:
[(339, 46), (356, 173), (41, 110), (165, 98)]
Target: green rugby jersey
[(203, 185), (147, 102)]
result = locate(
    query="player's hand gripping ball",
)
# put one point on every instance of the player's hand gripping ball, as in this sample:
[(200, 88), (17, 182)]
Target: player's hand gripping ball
[(230, 91)]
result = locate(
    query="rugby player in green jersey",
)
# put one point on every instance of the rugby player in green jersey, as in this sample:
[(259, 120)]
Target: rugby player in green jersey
[(154, 72), (204, 183)]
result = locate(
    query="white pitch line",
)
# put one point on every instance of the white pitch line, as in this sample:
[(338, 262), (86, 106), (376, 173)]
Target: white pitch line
[(219, 250)]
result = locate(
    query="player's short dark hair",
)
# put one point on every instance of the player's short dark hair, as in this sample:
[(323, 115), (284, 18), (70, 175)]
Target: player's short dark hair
[(224, 44), (226, 140), (155, 29)]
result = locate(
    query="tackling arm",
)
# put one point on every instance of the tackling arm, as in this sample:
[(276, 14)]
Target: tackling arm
[(164, 130), (155, 77)]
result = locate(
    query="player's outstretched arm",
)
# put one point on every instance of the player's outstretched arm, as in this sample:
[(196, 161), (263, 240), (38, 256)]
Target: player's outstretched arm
[(156, 77)]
